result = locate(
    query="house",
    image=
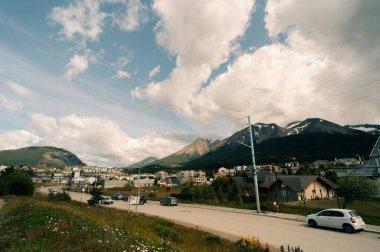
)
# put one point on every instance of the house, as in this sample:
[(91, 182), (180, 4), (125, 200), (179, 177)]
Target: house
[(226, 171), (306, 187), (294, 187), (114, 183), (371, 168), (347, 161), (188, 176), (218, 175), (78, 182), (146, 182), (161, 174), (168, 182), (199, 180)]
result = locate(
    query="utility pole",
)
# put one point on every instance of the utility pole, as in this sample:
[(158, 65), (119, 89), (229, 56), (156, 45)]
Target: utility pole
[(138, 195), (254, 171)]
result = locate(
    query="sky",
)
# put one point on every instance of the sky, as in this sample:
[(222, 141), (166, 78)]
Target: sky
[(116, 81)]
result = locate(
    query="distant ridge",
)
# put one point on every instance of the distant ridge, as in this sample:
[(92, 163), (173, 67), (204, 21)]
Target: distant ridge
[(142, 163), (46, 156), (197, 148), (307, 140)]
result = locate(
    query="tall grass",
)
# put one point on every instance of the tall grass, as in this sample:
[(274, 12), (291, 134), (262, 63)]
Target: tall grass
[(37, 224)]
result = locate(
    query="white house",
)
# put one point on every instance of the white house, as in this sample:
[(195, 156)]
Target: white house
[(146, 182)]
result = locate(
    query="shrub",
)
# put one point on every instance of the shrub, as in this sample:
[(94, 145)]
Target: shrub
[(167, 232), (253, 244), (63, 196), (19, 184), (96, 196), (152, 195), (212, 240)]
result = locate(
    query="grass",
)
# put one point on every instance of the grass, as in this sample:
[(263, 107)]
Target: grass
[(37, 224)]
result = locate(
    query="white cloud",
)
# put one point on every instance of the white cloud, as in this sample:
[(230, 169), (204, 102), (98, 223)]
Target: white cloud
[(47, 124), (154, 71), (78, 64), (83, 19), (201, 33), (122, 61), (20, 90), (101, 141), (131, 15), (18, 139), (201, 36), (121, 74), (270, 83), (10, 105), (326, 65)]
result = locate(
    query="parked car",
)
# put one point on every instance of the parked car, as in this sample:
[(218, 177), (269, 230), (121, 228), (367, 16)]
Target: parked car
[(168, 201), (117, 196), (106, 200), (348, 220), (136, 200), (53, 191), (143, 200)]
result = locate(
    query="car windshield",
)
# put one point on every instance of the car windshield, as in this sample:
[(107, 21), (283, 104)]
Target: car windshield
[(353, 214)]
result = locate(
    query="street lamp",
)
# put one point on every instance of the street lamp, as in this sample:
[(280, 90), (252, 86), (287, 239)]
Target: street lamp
[(254, 167)]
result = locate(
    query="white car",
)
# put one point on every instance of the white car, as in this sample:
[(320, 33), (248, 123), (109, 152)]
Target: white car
[(345, 219), (106, 200)]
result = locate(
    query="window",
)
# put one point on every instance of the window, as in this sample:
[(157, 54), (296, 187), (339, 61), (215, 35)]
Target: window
[(324, 213), (353, 214), (336, 214)]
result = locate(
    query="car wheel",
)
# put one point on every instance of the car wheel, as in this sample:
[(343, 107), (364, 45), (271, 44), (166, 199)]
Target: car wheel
[(313, 223), (348, 228)]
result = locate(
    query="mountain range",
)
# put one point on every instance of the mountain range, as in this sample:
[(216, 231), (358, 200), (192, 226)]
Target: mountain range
[(307, 140), (39, 156)]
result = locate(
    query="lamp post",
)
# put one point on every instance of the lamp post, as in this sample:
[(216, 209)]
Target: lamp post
[(254, 171), (138, 194)]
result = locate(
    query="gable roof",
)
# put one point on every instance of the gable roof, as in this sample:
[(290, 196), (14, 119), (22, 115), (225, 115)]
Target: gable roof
[(371, 168), (298, 183), (242, 182)]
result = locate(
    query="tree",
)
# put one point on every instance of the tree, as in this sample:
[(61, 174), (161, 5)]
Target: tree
[(16, 183), (96, 195), (331, 175), (356, 188)]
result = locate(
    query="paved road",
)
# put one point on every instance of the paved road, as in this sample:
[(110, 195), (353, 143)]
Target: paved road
[(233, 224)]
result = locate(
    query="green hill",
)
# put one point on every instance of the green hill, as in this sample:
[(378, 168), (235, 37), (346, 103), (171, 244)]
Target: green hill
[(39, 156)]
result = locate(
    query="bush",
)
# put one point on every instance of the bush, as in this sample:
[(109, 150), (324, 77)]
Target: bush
[(212, 240), (63, 196), (166, 232), (253, 244), (96, 196), (152, 195), (17, 184)]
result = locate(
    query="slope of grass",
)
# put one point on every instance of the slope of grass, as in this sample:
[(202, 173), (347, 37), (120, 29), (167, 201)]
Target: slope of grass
[(37, 156), (37, 224)]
